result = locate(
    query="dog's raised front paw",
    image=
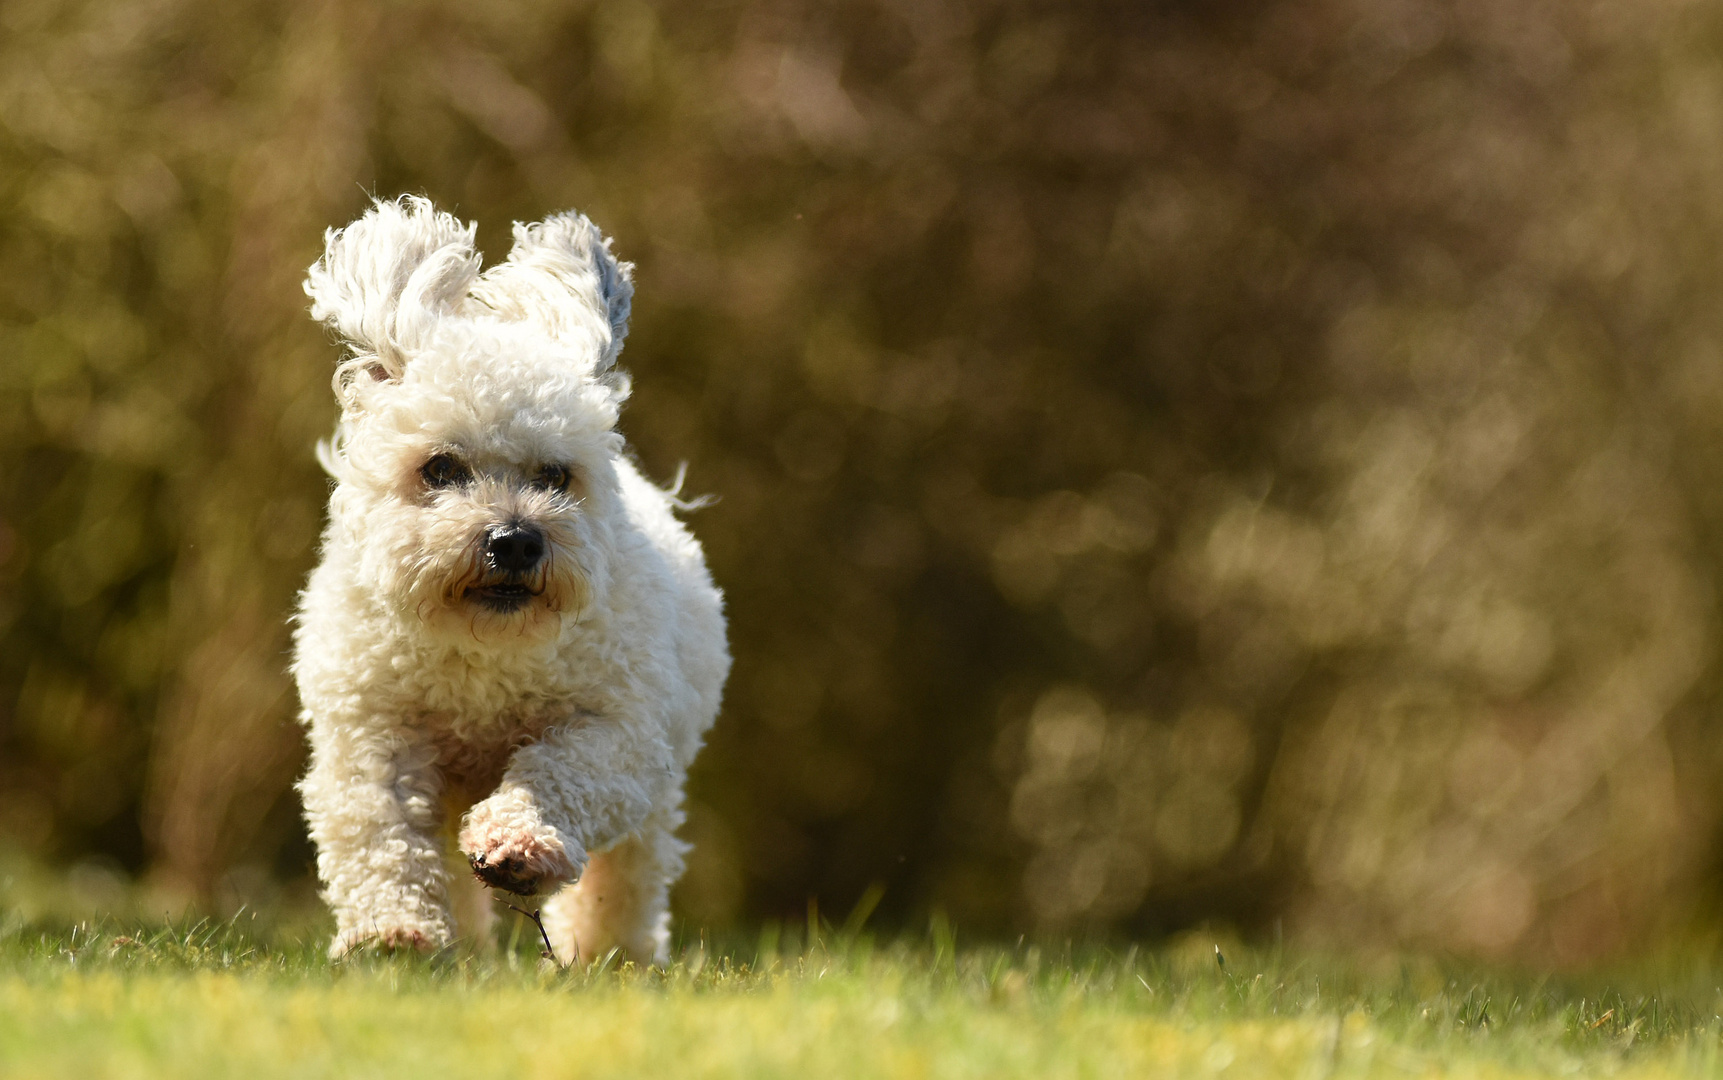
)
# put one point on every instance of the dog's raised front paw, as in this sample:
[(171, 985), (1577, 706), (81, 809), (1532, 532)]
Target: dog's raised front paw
[(513, 856), (524, 869)]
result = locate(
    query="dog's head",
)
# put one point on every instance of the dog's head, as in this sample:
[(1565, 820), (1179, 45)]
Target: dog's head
[(474, 458)]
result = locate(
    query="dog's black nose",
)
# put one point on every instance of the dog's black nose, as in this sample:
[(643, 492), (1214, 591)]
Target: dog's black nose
[(514, 549)]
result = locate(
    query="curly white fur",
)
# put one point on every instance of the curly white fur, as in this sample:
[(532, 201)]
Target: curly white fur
[(435, 665)]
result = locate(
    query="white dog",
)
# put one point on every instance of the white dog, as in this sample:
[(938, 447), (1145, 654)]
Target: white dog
[(506, 611)]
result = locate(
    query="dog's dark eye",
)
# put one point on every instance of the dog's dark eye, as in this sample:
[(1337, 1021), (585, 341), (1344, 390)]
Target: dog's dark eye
[(552, 478), (445, 470)]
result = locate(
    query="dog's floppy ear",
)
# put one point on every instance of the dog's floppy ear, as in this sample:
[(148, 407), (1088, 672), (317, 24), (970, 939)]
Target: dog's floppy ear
[(562, 259), (384, 280)]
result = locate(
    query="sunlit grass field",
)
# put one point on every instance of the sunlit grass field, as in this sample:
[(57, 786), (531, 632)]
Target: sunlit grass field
[(236, 999)]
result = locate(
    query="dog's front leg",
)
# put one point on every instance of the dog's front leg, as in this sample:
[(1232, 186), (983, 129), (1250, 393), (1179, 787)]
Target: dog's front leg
[(579, 788), (371, 802)]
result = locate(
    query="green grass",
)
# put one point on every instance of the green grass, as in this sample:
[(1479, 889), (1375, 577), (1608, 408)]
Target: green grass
[(230, 1000)]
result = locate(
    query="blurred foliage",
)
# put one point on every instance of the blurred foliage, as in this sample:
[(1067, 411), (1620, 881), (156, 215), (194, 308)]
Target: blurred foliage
[(1258, 461)]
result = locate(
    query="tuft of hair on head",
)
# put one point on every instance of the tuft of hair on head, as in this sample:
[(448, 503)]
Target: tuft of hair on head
[(561, 259), (385, 280)]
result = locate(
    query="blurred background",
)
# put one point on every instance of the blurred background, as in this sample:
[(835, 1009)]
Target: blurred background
[(1255, 463)]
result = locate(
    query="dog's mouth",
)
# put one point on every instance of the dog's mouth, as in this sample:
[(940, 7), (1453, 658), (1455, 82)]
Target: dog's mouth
[(503, 596)]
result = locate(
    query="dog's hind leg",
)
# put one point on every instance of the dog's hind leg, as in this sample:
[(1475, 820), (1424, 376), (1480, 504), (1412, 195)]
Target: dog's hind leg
[(473, 906), (622, 901)]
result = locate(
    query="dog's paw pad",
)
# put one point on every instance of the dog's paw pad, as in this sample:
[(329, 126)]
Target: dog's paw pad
[(522, 865)]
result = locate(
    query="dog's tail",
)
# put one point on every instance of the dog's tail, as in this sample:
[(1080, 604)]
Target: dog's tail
[(673, 492)]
